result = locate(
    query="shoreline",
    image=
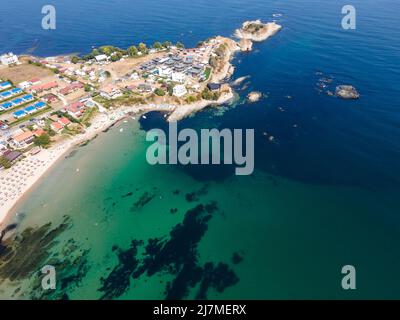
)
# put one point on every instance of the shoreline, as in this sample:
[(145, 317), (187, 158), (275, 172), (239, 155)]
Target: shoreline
[(47, 158), (26, 173)]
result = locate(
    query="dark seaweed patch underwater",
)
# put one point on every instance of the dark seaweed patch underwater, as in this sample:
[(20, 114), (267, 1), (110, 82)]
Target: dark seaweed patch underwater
[(23, 255), (177, 256)]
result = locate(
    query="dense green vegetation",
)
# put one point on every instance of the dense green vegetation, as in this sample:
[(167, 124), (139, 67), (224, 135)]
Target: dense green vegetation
[(115, 53), (4, 162), (159, 92), (42, 141), (207, 94)]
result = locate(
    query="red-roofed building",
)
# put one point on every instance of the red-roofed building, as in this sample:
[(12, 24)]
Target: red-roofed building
[(39, 132), (71, 88), (56, 126), (43, 87), (35, 81), (49, 98), (64, 121), (75, 109)]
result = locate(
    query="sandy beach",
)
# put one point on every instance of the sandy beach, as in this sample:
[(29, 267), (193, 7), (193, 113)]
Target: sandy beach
[(20, 178)]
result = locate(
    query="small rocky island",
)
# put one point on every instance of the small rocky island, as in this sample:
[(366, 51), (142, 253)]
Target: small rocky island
[(347, 92), (257, 31), (254, 96)]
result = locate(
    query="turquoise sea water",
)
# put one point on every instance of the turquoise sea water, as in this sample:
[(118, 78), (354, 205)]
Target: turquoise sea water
[(323, 195)]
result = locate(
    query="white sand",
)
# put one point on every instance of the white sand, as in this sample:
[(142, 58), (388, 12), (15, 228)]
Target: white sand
[(16, 181), (21, 177)]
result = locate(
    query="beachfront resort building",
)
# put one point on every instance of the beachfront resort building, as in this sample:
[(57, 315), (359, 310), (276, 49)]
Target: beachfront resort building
[(8, 59), (179, 90), (23, 140)]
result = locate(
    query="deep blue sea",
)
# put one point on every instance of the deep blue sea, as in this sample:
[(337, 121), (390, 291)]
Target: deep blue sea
[(338, 141), (319, 141)]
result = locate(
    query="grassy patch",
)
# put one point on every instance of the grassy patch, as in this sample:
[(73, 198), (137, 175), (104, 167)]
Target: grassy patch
[(87, 116), (207, 73)]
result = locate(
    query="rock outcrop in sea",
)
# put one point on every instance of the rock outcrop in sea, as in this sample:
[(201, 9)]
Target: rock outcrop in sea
[(257, 31), (254, 96), (347, 92), (246, 45)]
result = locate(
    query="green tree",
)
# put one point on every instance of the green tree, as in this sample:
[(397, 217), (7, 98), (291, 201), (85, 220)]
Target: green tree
[(116, 56), (74, 59), (95, 52), (4, 162), (108, 50), (159, 92), (157, 45), (170, 89), (87, 87), (207, 94), (42, 140), (167, 44), (88, 57), (142, 48), (180, 45), (132, 51)]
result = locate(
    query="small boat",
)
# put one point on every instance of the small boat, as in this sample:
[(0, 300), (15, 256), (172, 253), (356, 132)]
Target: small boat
[(121, 130), (144, 117)]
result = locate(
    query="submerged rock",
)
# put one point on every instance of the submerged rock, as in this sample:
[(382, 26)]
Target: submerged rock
[(239, 80), (254, 96), (347, 92)]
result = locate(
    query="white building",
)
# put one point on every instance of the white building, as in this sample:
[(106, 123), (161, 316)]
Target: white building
[(164, 71), (178, 77), (135, 76), (8, 59), (179, 90), (111, 92), (24, 85), (101, 58), (23, 140)]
